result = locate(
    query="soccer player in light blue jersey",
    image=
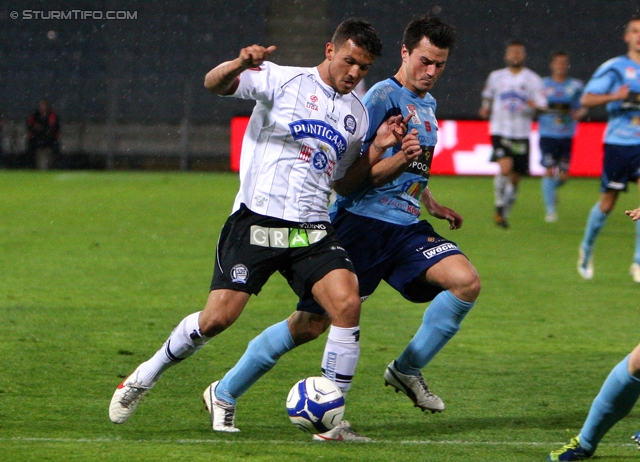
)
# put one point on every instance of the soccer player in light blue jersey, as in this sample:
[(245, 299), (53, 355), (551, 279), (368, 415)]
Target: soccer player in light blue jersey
[(618, 395), (379, 226), (557, 127), (616, 83)]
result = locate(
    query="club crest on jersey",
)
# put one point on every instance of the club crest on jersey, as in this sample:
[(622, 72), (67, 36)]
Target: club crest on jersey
[(350, 123), (319, 130), (319, 161), (630, 73), (414, 114), (239, 274)]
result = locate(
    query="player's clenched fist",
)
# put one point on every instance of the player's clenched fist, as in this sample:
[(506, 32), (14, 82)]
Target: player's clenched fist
[(254, 55)]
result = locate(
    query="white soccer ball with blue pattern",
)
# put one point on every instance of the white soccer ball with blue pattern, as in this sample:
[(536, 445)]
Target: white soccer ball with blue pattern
[(315, 404)]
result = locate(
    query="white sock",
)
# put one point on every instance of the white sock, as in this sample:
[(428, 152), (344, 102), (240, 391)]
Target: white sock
[(341, 354), (185, 340), (500, 182)]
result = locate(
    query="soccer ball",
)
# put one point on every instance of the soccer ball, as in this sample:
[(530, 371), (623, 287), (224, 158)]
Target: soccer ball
[(315, 404)]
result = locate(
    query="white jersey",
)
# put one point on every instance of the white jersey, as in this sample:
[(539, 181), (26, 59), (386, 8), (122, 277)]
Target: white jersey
[(302, 136), (511, 115)]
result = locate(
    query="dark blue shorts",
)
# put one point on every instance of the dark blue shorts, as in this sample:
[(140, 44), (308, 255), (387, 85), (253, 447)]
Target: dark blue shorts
[(621, 164), (556, 152), (400, 255)]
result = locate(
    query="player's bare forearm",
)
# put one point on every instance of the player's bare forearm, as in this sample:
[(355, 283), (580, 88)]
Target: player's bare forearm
[(224, 78), (593, 99), (437, 210), (390, 168)]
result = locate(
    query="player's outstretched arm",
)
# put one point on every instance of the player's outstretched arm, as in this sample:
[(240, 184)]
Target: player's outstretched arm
[(390, 133), (593, 99), (440, 211), (634, 214), (224, 78)]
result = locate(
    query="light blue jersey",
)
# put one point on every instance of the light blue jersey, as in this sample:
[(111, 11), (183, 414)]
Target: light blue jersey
[(562, 98), (399, 201), (623, 127)]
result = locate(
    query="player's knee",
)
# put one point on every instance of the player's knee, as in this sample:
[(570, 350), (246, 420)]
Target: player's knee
[(468, 286), (346, 311), (212, 325)]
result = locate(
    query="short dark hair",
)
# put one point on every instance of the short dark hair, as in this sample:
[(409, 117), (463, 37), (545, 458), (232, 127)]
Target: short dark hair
[(558, 53), (514, 42), (361, 32), (439, 33), (634, 17)]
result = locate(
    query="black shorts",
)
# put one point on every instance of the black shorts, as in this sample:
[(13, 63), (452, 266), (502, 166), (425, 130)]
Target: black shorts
[(517, 149), (252, 247), (556, 152)]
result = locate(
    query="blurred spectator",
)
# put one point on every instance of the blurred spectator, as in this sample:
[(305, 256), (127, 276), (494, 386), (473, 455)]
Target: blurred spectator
[(43, 133)]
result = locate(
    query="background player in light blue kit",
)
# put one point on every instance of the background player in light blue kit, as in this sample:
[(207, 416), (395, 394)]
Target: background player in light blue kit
[(557, 127), (380, 228), (616, 83)]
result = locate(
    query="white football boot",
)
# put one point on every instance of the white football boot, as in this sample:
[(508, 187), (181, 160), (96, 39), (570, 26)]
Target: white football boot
[(127, 397), (223, 415), (341, 432), (414, 387), (585, 267)]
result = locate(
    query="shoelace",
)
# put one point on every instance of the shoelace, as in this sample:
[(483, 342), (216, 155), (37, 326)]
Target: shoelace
[(424, 386), (229, 413), (131, 395)]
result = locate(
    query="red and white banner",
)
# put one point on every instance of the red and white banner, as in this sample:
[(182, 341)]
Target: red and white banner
[(464, 148)]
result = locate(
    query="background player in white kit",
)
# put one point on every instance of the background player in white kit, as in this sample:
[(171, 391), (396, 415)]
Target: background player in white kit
[(305, 129), (510, 98)]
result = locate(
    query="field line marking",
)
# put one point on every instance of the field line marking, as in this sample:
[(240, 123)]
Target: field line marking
[(285, 442)]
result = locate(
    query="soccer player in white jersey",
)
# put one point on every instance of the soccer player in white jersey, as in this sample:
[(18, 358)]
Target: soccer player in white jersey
[(379, 226), (510, 98), (557, 127), (305, 130), (616, 83)]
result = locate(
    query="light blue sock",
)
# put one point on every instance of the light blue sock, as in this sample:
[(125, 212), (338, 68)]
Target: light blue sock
[(636, 255), (617, 397), (261, 356), (596, 221), (549, 186), (440, 322)]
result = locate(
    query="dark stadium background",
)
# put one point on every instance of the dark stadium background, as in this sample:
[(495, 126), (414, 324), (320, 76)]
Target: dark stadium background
[(129, 92)]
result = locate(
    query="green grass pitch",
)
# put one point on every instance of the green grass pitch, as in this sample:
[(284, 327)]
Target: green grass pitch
[(97, 268)]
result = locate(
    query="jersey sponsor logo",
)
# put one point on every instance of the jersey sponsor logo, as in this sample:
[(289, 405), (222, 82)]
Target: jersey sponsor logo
[(427, 125), (239, 274), (414, 114), (402, 205), (422, 165), (284, 238), (350, 123), (311, 102), (319, 130), (443, 248)]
